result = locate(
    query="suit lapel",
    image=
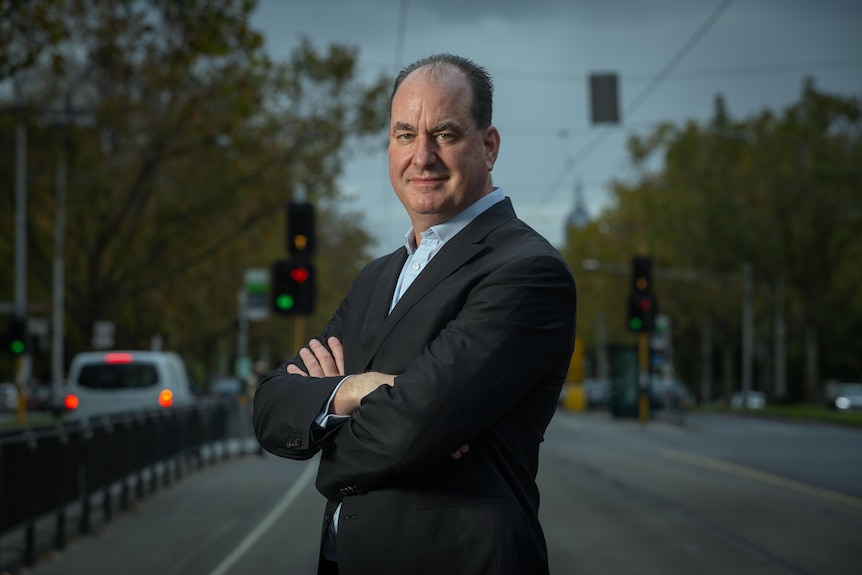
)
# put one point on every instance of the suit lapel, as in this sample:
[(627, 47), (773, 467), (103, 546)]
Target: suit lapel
[(457, 251), (381, 299)]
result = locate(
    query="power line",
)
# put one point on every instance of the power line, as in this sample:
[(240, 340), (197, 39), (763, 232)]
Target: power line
[(592, 145), (399, 35), (677, 58), (694, 74)]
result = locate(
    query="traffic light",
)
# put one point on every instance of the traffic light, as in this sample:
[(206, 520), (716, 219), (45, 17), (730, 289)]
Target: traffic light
[(641, 275), (16, 338), (641, 313), (300, 229), (293, 288), (604, 102), (641, 303)]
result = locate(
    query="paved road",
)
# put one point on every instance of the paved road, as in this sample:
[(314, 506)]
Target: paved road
[(717, 495)]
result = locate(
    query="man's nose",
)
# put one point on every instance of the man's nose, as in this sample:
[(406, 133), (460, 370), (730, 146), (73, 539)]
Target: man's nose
[(425, 152)]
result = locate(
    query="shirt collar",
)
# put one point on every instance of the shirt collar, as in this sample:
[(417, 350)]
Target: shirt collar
[(445, 231)]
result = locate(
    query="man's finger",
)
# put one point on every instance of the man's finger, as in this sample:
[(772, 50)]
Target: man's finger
[(324, 358), (311, 363), (461, 451), (295, 370), (337, 353)]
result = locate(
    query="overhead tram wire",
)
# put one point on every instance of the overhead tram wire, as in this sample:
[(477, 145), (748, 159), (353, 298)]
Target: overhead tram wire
[(592, 145)]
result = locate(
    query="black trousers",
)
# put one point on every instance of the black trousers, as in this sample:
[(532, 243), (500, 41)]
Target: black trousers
[(327, 567)]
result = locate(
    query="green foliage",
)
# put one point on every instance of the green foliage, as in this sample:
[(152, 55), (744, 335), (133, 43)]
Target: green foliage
[(779, 191), (182, 143)]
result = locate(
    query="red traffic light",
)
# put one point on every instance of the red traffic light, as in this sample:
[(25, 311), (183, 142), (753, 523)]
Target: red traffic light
[(292, 289), (299, 274), (641, 313)]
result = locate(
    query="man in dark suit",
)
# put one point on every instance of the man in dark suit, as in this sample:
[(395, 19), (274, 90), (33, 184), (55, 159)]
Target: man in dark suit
[(429, 391)]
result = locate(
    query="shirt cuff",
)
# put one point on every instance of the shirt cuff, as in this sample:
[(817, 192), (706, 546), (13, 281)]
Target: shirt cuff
[(324, 417)]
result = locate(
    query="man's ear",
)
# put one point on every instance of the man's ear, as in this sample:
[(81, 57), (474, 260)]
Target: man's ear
[(491, 139)]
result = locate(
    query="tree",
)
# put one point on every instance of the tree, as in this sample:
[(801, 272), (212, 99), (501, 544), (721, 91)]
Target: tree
[(778, 191), (182, 141)]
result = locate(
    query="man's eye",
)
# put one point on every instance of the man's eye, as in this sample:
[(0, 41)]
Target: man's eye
[(445, 136), (404, 137)]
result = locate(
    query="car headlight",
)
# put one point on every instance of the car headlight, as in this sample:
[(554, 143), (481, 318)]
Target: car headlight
[(842, 403)]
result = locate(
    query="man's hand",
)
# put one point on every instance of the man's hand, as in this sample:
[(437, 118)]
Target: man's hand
[(319, 361), (355, 388), (323, 362), (461, 451)]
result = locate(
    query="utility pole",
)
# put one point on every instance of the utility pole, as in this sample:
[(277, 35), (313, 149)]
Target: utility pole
[(747, 328), (22, 361)]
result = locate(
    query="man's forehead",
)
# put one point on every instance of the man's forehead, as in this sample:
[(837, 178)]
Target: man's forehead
[(438, 105)]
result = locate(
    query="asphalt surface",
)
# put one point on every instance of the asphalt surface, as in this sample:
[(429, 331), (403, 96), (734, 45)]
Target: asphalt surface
[(697, 495)]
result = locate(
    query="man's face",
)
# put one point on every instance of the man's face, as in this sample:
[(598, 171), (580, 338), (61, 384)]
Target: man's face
[(439, 162)]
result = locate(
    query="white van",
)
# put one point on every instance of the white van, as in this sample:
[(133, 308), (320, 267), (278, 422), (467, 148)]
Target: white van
[(109, 382)]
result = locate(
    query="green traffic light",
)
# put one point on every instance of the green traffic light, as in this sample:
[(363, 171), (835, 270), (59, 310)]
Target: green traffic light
[(636, 323), (16, 346), (284, 301)]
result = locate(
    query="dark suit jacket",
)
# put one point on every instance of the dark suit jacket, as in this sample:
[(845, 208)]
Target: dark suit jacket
[(481, 343)]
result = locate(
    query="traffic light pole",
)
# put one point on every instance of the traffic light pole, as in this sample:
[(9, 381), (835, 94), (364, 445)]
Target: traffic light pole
[(298, 332), (643, 377), (700, 276)]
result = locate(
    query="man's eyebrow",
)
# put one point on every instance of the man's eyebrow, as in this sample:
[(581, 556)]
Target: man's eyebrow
[(447, 127), (442, 127)]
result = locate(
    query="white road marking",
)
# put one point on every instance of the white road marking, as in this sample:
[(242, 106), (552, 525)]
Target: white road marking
[(251, 539)]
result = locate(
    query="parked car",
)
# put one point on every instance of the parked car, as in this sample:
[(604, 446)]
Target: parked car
[(669, 393), (8, 397), (105, 383), (226, 386), (848, 396), (748, 400), (598, 393), (39, 397)]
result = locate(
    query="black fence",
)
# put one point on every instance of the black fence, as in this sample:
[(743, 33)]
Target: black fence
[(64, 474)]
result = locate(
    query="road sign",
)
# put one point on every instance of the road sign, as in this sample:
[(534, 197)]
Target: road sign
[(103, 334), (257, 294)]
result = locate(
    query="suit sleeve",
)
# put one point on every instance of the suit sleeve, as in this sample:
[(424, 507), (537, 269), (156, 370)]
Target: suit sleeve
[(514, 331), (286, 405)]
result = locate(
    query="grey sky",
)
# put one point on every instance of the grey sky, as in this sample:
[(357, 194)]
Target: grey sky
[(540, 52)]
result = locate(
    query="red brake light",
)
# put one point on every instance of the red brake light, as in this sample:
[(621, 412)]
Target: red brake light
[(166, 398), (71, 401), (118, 357)]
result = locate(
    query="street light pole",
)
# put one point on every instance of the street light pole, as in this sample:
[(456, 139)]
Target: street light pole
[(57, 288), (22, 363)]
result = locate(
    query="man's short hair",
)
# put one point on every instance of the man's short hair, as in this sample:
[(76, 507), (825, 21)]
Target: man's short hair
[(481, 84)]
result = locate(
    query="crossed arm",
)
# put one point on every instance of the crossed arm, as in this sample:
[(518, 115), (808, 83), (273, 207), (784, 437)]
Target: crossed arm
[(323, 362)]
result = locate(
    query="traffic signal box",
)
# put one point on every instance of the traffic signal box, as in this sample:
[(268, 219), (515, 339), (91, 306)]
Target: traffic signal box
[(642, 306), (294, 281), (293, 287), (300, 229), (16, 339)]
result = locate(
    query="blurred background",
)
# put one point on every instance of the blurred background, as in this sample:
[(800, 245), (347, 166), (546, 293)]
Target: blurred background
[(149, 149)]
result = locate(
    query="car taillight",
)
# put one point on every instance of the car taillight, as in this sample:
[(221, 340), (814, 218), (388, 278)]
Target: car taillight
[(166, 398), (118, 357), (71, 402)]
